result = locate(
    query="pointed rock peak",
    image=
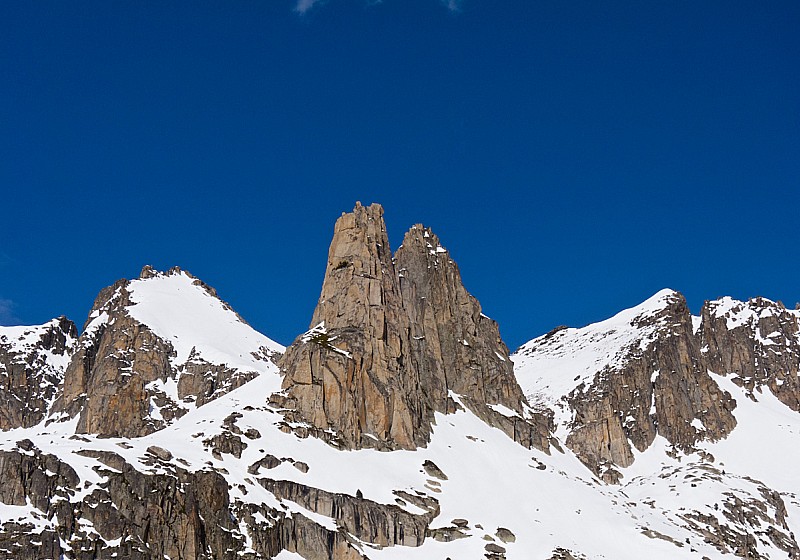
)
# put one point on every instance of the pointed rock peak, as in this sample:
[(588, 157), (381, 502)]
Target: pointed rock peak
[(348, 372), (391, 339), (654, 306), (423, 241), (451, 339), (147, 272), (359, 272)]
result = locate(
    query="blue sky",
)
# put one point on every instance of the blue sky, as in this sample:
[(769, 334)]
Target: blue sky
[(575, 157)]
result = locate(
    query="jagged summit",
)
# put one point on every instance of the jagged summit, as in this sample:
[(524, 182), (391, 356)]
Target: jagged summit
[(392, 340)]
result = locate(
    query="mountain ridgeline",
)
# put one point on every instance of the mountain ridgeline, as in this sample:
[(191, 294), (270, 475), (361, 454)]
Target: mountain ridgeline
[(398, 425)]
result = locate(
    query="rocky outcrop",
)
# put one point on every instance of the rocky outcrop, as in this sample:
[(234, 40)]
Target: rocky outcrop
[(123, 379), (662, 389), (653, 380), (391, 341), (32, 363), (368, 521), (758, 341), (182, 515), (106, 382)]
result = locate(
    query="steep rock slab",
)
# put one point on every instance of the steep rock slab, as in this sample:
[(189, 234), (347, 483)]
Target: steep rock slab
[(392, 341), (153, 348), (457, 348), (32, 364)]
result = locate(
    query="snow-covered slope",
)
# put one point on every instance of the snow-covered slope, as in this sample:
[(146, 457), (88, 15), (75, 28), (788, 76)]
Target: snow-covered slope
[(184, 312), (234, 478), (552, 366), (498, 488)]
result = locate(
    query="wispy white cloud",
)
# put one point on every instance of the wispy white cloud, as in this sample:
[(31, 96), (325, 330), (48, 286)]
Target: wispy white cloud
[(7, 316), (302, 6)]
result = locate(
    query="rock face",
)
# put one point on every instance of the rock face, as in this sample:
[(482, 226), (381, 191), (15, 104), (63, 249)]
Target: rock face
[(657, 375), (126, 380), (32, 363), (116, 358), (178, 515), (663, 389), (758, 341), (457, 347), (391, 339)]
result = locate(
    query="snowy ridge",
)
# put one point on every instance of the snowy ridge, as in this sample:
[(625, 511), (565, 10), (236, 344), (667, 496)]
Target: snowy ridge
[(550, 367), (177, 308), (740, 314)]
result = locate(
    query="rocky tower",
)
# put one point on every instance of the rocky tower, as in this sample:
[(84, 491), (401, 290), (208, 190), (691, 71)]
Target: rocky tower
[(348, 372), (390, 339), (457, 347)]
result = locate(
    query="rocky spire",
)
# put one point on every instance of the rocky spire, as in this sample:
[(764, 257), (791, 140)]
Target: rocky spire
[(457, 347), (389, 341), (350, 371)]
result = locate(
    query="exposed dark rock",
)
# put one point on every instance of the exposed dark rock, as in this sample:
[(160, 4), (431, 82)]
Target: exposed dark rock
[(29, 374), (757, 341), (385, 525)]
